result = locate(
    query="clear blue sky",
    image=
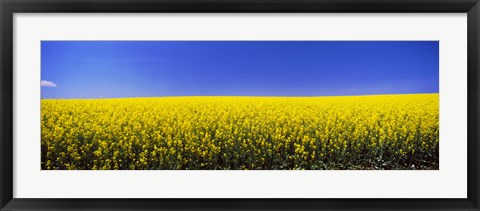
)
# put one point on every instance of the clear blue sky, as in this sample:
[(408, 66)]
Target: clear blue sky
[(93, 69)]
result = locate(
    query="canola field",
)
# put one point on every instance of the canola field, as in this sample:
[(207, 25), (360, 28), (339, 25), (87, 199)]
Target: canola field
[(253, 133)]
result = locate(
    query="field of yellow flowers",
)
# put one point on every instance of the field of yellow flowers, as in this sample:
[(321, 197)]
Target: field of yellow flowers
[(171, 133)]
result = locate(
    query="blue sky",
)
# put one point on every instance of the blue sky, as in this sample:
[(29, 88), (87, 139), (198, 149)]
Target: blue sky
[(111, 69)]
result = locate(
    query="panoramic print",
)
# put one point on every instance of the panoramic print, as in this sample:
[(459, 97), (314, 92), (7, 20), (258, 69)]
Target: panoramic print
[(239, 105)]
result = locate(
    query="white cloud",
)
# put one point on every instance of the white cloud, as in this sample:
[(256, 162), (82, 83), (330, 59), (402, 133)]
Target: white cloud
[(48, 84)]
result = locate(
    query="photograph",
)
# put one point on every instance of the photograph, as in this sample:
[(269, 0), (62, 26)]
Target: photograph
[(239, 105)]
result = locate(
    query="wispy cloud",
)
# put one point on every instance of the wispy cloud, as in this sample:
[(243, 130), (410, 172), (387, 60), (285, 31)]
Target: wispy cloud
[(48, 84)]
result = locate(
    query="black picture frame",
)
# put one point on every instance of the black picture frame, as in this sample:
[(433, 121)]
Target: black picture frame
[(9, 7)]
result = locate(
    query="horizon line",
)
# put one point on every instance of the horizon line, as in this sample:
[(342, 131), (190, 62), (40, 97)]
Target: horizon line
[(273, 96)]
